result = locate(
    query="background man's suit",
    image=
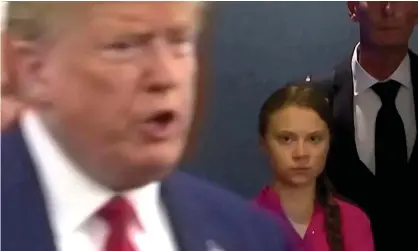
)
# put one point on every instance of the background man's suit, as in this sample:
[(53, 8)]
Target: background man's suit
[(380, 195)]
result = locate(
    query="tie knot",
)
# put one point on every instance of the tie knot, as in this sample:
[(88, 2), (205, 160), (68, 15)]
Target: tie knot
[(387, 91), (117, 211)]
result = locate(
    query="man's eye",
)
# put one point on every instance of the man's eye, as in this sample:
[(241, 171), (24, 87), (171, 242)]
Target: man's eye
[(119, 46), (121, 50), (182, 43), (182, 38)]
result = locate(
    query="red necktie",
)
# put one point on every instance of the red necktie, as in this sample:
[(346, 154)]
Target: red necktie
[(119, 215)]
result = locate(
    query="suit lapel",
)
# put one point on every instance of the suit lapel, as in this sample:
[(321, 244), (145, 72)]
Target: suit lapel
[(24, 214), (343, 100), (343, 107), (344, 113), (414, 79), (184, 215)]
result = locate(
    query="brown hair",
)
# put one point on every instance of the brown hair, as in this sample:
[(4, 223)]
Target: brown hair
[(36, 20), (305, 95)]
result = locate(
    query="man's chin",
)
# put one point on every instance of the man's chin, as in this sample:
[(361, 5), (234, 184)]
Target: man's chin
[(158, 162), (139, 173), (133, 166), (391, 40), (160, 156)]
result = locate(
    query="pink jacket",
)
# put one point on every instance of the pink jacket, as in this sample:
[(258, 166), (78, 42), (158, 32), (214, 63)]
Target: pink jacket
[(356, 231)]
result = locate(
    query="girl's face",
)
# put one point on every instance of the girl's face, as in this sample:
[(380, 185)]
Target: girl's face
[(297, 141)]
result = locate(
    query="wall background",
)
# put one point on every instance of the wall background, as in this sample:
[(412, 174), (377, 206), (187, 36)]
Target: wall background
[(256, 47)]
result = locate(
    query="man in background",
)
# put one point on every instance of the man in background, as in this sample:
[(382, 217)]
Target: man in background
[(374, 94), (110, 94)]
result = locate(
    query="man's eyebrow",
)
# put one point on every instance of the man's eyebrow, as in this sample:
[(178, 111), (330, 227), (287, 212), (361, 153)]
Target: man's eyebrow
[(148, 34)]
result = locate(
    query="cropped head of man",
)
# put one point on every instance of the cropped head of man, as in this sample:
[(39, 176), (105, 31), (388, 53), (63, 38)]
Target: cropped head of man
[(10, 103), (112, 81), (384, 23)]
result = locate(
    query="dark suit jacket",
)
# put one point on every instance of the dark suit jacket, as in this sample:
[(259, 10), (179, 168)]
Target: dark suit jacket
[(199, 212), (349, 175)]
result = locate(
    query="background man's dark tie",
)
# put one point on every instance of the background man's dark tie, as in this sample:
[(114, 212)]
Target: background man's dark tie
[(390, 140)]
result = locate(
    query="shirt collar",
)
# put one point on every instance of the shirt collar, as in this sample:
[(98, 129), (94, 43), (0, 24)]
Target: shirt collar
[(362, 80), (72, 198)]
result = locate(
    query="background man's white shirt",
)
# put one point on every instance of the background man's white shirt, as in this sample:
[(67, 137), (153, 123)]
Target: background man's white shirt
[(367, 104)]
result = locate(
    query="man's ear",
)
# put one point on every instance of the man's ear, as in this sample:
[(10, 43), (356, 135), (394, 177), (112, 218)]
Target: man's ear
[(352, 10), (8, 66), (30, 59)]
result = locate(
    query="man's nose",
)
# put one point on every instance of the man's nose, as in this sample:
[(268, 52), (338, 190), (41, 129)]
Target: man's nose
[(388, 8), (394, 9), (160, 68)]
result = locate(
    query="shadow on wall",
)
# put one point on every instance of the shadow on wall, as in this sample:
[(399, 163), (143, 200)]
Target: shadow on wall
[(255, 48)]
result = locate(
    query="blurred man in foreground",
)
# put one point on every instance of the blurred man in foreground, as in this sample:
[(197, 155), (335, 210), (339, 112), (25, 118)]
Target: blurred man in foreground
[(110, 91), (10, 103)]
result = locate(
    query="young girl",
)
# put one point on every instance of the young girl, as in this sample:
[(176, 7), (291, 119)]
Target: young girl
[(295, 132)]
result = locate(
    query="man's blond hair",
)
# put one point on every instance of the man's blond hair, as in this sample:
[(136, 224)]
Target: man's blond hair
[(31, 20)]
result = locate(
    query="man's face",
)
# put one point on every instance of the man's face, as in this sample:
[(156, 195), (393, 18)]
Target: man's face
[(119, 89), (384, 23), (10, 105)]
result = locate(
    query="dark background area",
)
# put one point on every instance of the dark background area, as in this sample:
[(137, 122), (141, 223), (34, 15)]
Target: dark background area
[(255, 48)]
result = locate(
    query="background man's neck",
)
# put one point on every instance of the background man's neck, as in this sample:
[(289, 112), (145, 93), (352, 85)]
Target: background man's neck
[(381, 62)]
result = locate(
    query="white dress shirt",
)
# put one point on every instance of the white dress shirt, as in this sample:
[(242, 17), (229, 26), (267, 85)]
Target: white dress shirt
[(72, 200), (367, 104)]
